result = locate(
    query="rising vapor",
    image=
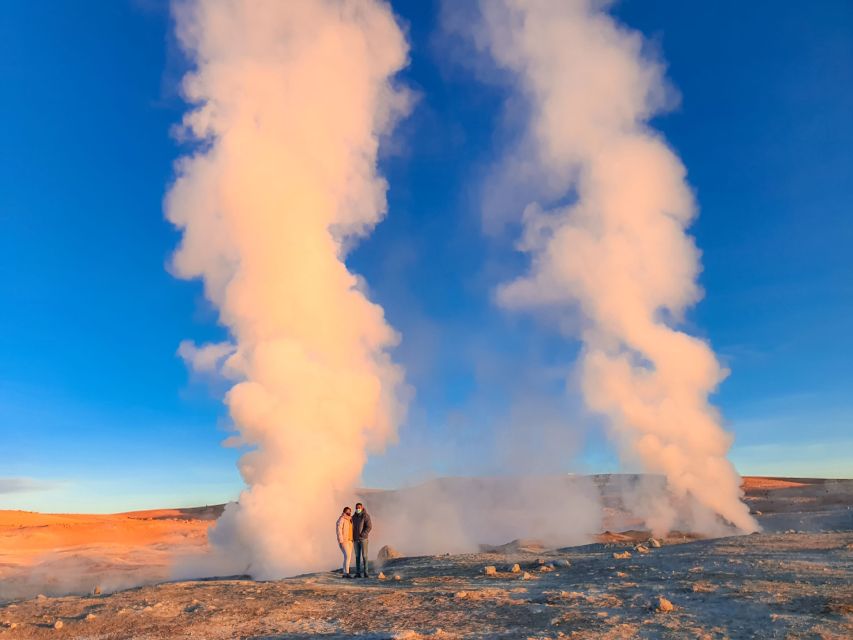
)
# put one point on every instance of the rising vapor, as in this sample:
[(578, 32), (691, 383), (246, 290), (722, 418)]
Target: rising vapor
[(619, 253), (289, 101)]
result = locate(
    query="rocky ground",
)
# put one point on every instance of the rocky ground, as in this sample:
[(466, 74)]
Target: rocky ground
[(793, 581)]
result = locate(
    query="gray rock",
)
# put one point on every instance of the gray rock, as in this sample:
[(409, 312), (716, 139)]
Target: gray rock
[(516, 546), (387, 553)]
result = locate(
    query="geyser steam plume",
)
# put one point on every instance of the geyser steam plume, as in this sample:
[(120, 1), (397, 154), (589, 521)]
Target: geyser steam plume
[(290, 100), (619, 252)]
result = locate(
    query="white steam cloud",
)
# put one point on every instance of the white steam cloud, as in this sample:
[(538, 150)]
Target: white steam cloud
[(619, 253), (290, 101)]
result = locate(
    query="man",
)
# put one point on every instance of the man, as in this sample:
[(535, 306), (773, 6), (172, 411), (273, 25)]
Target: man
[(361, 526), (344, 532)]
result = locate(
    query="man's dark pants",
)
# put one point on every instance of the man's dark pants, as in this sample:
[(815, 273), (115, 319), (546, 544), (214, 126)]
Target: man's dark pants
[(360, 556)]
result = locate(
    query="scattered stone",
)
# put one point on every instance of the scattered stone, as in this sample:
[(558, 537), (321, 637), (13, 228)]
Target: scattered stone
[(562, 562), (381, 576), (397, 576), (640, 548), (621, 574), (622, 556), (545, 568), (90, 616), (515, 568), (387, 553), (58, 624), (654, 543), (41, 596), (602, 614), (491, 570), (526, 576), (664, 605), (540, 561), (96, 591), (756, 512)]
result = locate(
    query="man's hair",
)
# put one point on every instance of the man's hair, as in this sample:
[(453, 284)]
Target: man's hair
[(358, 504), (346, 509)]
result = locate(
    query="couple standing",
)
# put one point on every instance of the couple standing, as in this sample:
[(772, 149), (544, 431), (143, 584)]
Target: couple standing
[(352, 532)]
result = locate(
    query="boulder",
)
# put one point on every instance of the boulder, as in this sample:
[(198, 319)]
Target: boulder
[(521, 545), (526, 576), (58, 624), (397, 577), (641, 548), (545, 568), (654, 542), (622, 556), (381, 576), (491, 570), (515, 568), (387, 553)]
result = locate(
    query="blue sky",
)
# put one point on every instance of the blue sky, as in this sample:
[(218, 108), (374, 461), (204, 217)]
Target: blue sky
[(97, 412)]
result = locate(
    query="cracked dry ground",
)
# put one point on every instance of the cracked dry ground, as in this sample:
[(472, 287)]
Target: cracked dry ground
[(794, 585)]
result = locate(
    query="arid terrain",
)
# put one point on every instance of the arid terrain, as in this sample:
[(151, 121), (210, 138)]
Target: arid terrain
[(794, 580)]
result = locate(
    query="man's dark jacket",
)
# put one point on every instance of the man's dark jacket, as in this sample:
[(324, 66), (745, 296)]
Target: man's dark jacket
[(361, 525)]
